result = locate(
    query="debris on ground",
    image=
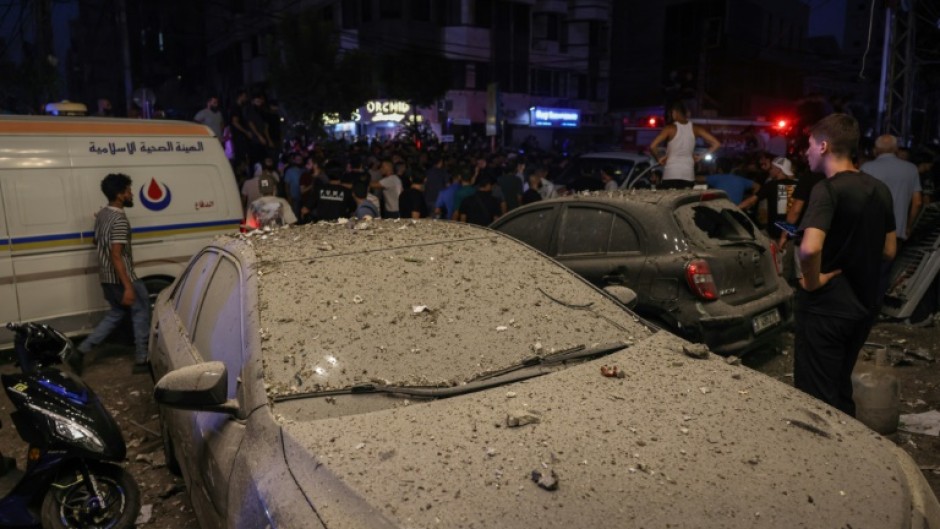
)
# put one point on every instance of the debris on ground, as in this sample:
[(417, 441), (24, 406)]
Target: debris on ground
[(612, 372), (695, 350), (518, 418), (146, 513), (547, 480), (733, 361), (927, 423)]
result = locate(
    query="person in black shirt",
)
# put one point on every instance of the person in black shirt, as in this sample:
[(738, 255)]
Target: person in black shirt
[(411, 203), (332, 200), (480, 208), (356, 179), (847, 232), (778, 192)]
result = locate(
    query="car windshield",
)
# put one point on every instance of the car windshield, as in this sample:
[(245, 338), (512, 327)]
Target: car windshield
[(715, 222), (437, 314)]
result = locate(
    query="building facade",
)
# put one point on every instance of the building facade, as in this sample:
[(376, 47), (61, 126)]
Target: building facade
[(505, 58)]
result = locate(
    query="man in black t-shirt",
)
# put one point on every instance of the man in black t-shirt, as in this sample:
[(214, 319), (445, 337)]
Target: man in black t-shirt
[(332, 200), (480, 208), (356, 179), (848, 231), (411, 202), (778, 193)]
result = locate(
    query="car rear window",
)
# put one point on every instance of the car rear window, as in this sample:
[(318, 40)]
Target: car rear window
[(715, 221)]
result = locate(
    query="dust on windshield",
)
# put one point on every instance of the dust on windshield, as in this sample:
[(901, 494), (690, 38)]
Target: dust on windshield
[(435, 313)]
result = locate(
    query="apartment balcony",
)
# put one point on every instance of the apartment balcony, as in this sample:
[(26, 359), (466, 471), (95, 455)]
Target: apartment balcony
[(551, 6), (466, 43), (586, 10)]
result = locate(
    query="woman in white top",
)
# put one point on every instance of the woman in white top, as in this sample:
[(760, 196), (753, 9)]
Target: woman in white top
[(680, 158)]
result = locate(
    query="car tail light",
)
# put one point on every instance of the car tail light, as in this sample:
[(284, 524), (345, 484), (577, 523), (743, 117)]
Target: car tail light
[(777, 256), (699, 277)]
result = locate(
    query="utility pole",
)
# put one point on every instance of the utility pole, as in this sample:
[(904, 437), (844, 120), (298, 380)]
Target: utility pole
[(898, 65)]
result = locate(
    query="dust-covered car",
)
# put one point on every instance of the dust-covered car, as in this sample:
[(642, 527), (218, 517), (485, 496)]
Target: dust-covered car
[(698, 265), (432, 374)]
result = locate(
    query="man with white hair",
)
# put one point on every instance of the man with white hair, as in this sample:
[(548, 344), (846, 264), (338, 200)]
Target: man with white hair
[(902, 179)]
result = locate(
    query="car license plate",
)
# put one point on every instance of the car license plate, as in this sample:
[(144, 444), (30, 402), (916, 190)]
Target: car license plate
[(766, 320)]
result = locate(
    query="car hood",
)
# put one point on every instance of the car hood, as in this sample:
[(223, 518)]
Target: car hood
[(676, 440)]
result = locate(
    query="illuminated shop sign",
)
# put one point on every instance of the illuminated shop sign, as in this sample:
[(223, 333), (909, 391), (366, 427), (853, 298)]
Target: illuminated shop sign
[(554, 117), (387, 110)]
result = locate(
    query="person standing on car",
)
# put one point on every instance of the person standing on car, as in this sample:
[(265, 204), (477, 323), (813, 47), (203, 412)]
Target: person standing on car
[(123, 290), (848, 232), (680, 158)]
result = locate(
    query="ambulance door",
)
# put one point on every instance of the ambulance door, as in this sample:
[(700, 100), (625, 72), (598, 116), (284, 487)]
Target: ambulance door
[(52, 258)]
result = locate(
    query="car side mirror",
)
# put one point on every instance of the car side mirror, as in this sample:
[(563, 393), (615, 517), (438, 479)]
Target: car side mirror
[(199, 387), (622, 294)]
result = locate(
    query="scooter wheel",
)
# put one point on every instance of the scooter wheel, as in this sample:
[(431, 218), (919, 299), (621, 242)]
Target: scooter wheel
[(69, 504)]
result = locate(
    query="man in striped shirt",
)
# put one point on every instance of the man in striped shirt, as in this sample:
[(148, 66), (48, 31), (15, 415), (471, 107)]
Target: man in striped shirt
[(121, 286)]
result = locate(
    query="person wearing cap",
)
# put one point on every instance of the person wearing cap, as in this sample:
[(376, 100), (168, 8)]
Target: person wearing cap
[(680, 158), (778, 192), (268, 210)]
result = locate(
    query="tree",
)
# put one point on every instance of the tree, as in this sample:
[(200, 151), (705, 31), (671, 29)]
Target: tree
[(309, 73)]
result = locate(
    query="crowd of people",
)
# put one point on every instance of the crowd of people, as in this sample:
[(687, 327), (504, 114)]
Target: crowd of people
[(393, 179)]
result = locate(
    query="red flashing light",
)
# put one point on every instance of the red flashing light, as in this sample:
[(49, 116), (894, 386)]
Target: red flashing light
[(652, 121), (699, 276)]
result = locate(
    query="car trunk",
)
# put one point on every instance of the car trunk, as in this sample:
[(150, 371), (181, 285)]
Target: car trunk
[(740, 258)]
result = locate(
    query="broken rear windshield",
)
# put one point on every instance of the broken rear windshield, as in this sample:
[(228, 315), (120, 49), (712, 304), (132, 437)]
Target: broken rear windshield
[(713, 222)]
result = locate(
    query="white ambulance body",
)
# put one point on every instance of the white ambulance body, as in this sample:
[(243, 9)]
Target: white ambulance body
[(50, 190)]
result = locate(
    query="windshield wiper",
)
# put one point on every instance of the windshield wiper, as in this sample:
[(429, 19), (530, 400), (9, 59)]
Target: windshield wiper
[(425, 392), (531, 367), (573, 353)]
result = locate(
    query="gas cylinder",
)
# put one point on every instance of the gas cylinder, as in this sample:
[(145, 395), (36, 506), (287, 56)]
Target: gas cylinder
[(877, 394)]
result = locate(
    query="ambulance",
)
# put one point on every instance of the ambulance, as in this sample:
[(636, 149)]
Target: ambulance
[(50, 190)]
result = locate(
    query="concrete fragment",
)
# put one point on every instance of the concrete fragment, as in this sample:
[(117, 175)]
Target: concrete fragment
[(146, 513), (733, 361), (518, 418), (695, 350), (546, 480)]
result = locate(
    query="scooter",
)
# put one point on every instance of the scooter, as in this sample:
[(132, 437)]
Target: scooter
[(73, 478)]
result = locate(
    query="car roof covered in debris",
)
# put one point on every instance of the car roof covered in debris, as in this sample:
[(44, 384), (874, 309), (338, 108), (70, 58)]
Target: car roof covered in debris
[(653, 197)]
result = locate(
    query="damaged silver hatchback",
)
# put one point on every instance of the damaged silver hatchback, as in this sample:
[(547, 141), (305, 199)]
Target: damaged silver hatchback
[(699, 266), (428, 374)]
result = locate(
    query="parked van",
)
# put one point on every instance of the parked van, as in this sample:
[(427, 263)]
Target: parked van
[(50, 175)]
